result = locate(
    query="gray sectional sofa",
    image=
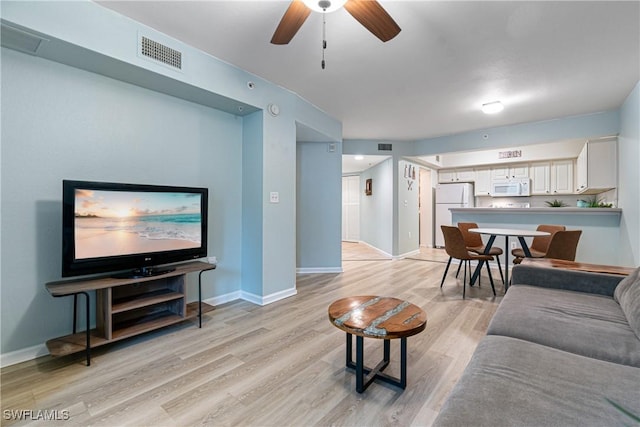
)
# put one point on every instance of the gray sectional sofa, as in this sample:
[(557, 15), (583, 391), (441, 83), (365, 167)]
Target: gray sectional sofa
[(563, 349)]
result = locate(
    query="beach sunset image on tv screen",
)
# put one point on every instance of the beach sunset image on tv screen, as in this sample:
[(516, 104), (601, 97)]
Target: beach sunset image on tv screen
[(109, 223)]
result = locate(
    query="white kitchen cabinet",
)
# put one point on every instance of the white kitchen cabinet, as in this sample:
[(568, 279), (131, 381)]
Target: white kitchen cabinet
[(482, 186), (465, 175), (596, 168), (581, 170), (445, 176), (551, 177), (456, 175), (562, 177), (510, 171), (540, 174)]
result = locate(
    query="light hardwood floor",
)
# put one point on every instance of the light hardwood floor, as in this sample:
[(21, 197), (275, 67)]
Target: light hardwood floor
[(277, 365)]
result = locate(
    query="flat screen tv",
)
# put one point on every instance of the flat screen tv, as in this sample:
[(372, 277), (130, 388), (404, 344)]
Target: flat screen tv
[(111, 227)]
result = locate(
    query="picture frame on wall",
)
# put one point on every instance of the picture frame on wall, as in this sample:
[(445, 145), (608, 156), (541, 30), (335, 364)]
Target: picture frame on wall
[(368, 190)]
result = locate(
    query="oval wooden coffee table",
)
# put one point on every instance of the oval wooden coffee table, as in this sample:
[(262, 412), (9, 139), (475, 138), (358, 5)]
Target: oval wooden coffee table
[(378, 317)]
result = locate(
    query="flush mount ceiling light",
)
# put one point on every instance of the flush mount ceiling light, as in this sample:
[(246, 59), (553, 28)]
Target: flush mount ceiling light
[(492, 107), (359, 157)]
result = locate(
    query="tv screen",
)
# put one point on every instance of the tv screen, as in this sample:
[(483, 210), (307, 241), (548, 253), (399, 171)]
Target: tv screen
[(109, 227)]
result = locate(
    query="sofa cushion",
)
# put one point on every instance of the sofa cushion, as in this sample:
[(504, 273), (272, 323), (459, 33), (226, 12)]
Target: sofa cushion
[(586, 324), (510, 382), (570, 280), (627, 294)]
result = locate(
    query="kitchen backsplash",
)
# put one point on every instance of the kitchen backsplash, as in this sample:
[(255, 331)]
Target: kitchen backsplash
[(540, 201)]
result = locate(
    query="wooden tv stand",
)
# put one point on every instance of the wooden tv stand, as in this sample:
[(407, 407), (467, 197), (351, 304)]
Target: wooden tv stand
[(126, 307)]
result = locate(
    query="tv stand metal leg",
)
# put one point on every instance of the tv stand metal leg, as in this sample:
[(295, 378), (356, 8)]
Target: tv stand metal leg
[(88, 331), (75, 311), (200, 298), (88, 320)]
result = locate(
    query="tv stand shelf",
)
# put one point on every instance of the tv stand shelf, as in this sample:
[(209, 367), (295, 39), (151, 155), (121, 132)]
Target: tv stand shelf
[(126, 307), (151, 298)]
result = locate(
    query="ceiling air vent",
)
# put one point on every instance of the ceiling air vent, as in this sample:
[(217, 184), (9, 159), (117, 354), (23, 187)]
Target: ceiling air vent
[(384, 147), (24, 41), (159, 52)]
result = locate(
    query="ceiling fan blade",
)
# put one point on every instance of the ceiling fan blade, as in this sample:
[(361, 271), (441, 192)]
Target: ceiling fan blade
[(291, 22), (374, 18)]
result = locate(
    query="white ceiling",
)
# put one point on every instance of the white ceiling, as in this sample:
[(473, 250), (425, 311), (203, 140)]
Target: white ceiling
[(543, 60)]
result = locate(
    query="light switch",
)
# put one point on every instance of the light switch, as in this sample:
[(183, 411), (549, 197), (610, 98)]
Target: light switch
[(274, 197)]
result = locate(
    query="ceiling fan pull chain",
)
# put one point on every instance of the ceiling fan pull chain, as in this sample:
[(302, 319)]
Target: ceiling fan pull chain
[(324, 38)]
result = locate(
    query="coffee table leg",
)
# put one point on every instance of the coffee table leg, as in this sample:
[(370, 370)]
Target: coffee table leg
[(360, 364), (362, 383), (403, 363)]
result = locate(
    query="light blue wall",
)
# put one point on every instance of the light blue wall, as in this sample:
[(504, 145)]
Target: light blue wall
[(598, 242), (629, 179), (184, 138), (376, 211), (249, 182), (319, 218), (60, 122), (585, 126)]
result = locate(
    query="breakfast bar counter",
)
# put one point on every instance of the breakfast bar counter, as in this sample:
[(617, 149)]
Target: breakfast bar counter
[(601, 241), (552, 211)]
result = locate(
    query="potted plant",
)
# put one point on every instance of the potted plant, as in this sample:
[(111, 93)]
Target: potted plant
[(594, 202), (555, 203)]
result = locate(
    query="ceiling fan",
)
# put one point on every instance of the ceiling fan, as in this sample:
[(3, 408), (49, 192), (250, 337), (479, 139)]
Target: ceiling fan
[(368, 12)]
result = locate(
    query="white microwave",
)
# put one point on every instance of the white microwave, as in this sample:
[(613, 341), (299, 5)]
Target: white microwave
[(510, 187)]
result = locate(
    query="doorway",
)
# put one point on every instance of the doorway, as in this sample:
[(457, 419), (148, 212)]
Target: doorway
[(425, 201), (351, 208)]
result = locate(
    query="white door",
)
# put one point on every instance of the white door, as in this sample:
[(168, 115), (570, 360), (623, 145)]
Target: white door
[(426, 208), (351, 208)]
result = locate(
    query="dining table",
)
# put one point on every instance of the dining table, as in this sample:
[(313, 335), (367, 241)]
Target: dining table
[(506, 232)]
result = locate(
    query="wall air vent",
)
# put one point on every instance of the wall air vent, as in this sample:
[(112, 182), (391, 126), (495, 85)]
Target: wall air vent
[(384, 147), (161, 53)]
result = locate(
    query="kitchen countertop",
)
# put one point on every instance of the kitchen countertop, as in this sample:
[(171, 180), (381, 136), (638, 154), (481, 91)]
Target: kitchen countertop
[(566, 210)]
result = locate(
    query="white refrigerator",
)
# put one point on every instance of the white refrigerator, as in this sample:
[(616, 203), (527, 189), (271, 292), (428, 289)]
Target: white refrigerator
[(450, 196)]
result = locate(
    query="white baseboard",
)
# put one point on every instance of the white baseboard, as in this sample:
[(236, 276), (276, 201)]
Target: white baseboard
[(221, 299), (319, 270), (401, 256), (268, 299), (407, 254), (377, 249), (22, 355)]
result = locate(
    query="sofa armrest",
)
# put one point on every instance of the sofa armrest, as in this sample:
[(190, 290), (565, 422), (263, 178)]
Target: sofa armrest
[(570, 280)]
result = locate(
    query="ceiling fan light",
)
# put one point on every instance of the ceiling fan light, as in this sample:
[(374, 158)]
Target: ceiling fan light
[(316, 5), (492, 107)]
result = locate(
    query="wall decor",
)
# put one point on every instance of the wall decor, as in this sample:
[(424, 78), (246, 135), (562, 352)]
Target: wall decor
[(410, 174), (368, 187), (509, 154)]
